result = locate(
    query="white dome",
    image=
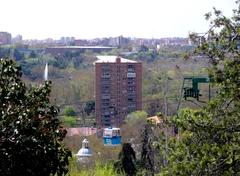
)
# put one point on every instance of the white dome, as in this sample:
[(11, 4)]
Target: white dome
[(85, 151)]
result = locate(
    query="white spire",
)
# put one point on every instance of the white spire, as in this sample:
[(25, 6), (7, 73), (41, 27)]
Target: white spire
[(46, 72)]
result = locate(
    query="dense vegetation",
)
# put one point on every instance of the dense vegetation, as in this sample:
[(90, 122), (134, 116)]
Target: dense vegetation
[(31, 135), (72, 89), (208, 138)]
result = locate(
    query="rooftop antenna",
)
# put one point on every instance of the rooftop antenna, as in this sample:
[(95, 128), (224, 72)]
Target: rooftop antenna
[(46, 72)]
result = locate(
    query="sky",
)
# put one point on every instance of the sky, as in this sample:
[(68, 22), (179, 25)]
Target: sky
[(88, 19)]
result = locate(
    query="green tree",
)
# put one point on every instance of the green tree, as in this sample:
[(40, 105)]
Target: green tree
[(143, 48), (69, 121), (147, 152), (31, 135), (60, 62), (4, 52), (32, 54), (209, 137), (126, 162), (136, 116), (18, 55), (69, 118), (89, 107), (69, 111)]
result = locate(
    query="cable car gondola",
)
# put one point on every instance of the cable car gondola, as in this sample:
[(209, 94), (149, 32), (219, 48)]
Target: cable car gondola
[(111, 136)]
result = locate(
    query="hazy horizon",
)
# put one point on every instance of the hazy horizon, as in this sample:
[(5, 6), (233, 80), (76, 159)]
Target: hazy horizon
[(35, 19)]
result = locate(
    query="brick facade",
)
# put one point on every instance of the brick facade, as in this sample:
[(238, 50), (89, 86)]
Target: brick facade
[(118, 90)]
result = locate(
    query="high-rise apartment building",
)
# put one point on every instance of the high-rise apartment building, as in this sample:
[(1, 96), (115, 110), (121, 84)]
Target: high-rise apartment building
[(5, 38), (118, 89)]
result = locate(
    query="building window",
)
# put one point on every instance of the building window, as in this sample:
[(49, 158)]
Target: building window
[(131, 69)]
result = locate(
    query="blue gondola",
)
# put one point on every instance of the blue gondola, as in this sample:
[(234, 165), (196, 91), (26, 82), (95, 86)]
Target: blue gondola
[(111, 136)]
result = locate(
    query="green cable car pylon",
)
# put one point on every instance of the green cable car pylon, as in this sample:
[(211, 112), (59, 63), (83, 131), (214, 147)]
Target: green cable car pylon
[(193, 90), (190, 89)]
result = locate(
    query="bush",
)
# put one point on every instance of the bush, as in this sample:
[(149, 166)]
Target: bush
[(69, 121), (69, 111), (99, 170), (31, 135)]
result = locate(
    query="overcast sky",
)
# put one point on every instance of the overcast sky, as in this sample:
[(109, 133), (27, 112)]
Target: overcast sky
[(40, 19)]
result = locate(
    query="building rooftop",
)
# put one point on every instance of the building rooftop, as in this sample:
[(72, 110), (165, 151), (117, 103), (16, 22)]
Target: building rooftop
[(82, 131), (112, 59), (155, 119)]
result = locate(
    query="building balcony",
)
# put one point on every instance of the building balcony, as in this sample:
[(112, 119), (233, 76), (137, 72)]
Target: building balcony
[(107, 113), (131, 75), (132, 105), (131, 83), (105, 96), (105, 105), (106, 76), (131, 70), (105, 92), (106, 83), (131, 93)]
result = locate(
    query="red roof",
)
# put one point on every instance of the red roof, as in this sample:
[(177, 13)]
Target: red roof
[(82, 131)]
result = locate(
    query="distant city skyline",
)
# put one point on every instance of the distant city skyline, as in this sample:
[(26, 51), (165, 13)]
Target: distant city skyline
[(41, 19)]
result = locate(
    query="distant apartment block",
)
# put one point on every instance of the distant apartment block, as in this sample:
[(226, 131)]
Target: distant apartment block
[(5, 38), (17, 39), (61, 50), (118, 89), (118, 41)]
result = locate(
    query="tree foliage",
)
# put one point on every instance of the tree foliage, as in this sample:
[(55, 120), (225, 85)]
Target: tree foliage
[(136, 116), (126, 162), (32, 54), (4, 52), (209, 138), (89, 107), (18, 55), (69, 111), (31, 134), (147, 152)]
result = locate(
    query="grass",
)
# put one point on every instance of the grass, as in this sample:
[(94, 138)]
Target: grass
[(97, 169)]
